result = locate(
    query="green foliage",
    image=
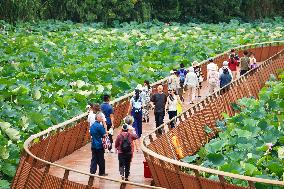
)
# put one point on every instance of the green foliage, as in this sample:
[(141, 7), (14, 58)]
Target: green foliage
[(50, 70), (117, 11), (252, 143)]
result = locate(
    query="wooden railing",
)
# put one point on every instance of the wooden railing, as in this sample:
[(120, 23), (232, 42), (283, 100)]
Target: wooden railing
[(160, 153), (43, 149)]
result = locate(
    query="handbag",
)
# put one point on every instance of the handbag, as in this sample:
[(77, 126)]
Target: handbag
[(106, 142), (179, 108)]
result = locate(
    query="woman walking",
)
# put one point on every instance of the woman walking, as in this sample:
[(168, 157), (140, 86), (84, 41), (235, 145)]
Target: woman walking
[(145, 94), (135, 109), (191, 81), (197, 71), (171, 105), (213, 80), (123, 145), (233, 63)]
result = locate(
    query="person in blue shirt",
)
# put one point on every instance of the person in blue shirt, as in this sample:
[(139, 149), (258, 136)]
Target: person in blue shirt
[(108, 112), (225, 78), (182, 75), (97, 132)]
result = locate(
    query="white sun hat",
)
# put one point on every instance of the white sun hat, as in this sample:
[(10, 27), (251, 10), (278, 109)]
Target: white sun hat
[(139, 87)]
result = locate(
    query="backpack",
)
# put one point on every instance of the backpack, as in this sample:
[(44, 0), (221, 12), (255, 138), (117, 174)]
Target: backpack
[(213, 78), (182, 76), (137, 105), (125, 145)]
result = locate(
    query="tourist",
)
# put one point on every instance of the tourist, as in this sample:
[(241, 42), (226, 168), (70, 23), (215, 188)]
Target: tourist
[(158, 101), (225, 78), (252, 61), (135, 110), (235, 55), (128, 120), (213, 80), (123, 144), (244, 63), (182, 75), (233, 63), (109, 114), (145, 94), (211, 67), (92, 110), (97, 132), (198, 72), (171, 80), (171, 105), (225, 66), (191, 81)]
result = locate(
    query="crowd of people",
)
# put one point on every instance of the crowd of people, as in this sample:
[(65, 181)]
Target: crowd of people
[(101, 117)]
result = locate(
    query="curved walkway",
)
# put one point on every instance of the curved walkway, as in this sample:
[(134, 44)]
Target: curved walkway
[(37, 170), (81, 158)]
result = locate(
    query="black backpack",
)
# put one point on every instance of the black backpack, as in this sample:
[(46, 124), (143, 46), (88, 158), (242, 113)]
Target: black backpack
[(126, 145)]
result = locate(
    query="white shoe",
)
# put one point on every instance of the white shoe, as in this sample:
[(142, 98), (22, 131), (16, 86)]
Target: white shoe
[(111, 151)]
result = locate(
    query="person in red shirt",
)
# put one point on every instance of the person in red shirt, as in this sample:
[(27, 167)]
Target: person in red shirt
[(233, 63), (123, 144)]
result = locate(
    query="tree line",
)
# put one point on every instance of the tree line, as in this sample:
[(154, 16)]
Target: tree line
[(110, 11)]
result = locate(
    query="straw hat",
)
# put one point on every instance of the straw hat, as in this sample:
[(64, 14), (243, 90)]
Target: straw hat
[(195, 63)]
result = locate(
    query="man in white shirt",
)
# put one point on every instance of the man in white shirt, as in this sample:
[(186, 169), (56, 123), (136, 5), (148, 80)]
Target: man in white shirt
[(211, 66)]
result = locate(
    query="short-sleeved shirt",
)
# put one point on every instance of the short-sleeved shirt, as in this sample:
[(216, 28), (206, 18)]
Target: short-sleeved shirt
[(97, 132), (107, 110), (160, 102), (233, 64), (92, 118), (245, 63)]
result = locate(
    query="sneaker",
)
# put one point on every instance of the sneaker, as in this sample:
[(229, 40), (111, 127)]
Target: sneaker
[(104, 175), (126, 179)]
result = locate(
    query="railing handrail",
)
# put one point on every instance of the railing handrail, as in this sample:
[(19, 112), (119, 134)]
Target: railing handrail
[(28, 142), (201, 168)]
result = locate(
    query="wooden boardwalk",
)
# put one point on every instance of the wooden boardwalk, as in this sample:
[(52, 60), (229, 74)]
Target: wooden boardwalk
[(80, 159)]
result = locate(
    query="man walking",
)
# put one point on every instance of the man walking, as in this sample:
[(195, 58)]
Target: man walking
[(97, 132), (108, 112), (159, 101)]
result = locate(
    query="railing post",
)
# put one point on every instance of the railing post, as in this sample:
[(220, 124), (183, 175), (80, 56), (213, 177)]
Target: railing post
[(90, 182), (46, 170), (251, 185), (65, 177), (197, 175), (222, 181), (29, 174)]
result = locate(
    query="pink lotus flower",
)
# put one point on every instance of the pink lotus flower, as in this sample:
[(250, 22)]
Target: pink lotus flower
[(269, 145)]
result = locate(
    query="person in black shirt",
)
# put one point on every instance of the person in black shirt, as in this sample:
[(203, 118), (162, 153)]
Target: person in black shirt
[(159, 101)]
